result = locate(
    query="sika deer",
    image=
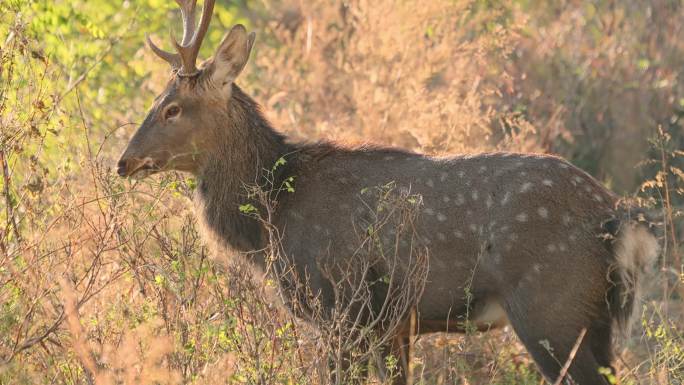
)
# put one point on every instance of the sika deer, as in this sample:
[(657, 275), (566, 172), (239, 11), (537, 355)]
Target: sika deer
[(539, 243)]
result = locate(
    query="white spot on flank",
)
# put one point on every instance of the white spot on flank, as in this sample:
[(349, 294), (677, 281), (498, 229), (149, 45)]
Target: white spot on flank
[(430, 183), (572, 238), (598, 198), (458, 234), (489, 201), (513, 236), (472, 227), (506, 196), (461, 174), (566, 219), (578, 179), (562, 246), (522, 217), (474, 195), (563, 165), (441, 236), (443, 176), (547, 182), (460, 199), (543, 212), (483, 169), (523, 173), (446, 199), (389, 157), (441, 217), (317, 227), (429, 211), (587, 189), (525, 187), (537, 268), (551, 247), (503, 229)]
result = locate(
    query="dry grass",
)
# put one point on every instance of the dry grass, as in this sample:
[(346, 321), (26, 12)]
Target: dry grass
[(105, 281)]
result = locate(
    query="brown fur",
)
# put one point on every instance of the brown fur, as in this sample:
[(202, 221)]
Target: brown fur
[(517, 232)]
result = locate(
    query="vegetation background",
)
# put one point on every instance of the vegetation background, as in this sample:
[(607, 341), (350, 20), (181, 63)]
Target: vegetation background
[(105, 281)]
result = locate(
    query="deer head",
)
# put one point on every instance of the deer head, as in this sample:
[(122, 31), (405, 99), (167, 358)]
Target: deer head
[(186, 118)]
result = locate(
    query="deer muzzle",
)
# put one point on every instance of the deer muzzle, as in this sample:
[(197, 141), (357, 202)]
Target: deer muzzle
[(129, 167)]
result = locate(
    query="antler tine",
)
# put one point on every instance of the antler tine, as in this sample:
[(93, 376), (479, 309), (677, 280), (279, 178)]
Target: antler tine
[(188, 13), (188, 52), (172, 58), (207, 11), (189, 46)]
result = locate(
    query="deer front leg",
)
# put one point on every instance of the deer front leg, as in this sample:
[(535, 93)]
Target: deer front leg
[(398, 349)]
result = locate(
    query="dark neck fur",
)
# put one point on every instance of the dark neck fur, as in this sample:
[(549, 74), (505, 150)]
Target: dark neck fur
[(246, 144)]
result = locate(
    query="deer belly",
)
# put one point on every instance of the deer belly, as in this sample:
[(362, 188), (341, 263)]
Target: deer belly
[(483, 316)]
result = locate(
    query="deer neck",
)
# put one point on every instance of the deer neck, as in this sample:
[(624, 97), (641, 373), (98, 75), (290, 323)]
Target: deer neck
[(246, 147)]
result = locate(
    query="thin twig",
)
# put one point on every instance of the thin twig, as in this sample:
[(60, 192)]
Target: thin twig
[(568, 362)]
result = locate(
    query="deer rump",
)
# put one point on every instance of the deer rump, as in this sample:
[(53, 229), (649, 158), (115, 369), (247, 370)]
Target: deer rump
[(528, 240)]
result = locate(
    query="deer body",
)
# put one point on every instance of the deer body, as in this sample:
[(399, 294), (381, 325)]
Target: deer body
[(483, 223), (511, 238)]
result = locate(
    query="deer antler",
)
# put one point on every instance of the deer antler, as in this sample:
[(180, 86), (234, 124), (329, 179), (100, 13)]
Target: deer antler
[(186, 56)]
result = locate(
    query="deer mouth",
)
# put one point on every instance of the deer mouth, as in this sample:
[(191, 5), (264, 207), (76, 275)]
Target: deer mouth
[(137, 168), (144, 172)]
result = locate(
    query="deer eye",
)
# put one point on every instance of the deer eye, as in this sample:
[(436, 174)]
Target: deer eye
[(172, 112)]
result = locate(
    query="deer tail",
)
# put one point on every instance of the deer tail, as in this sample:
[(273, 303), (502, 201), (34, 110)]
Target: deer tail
[(635, 249)]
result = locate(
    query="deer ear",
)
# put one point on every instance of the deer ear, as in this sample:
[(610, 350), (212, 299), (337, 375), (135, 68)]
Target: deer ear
[(232, 55)]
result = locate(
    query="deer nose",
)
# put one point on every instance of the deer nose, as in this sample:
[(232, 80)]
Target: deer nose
[(121, 167)]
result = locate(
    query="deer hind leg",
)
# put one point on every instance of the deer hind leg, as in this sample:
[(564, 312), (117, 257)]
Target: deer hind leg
[(600, 341), (551, 332)]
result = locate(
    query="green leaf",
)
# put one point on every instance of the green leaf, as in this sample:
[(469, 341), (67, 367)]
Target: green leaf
[(280, 162), (247, 208)]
